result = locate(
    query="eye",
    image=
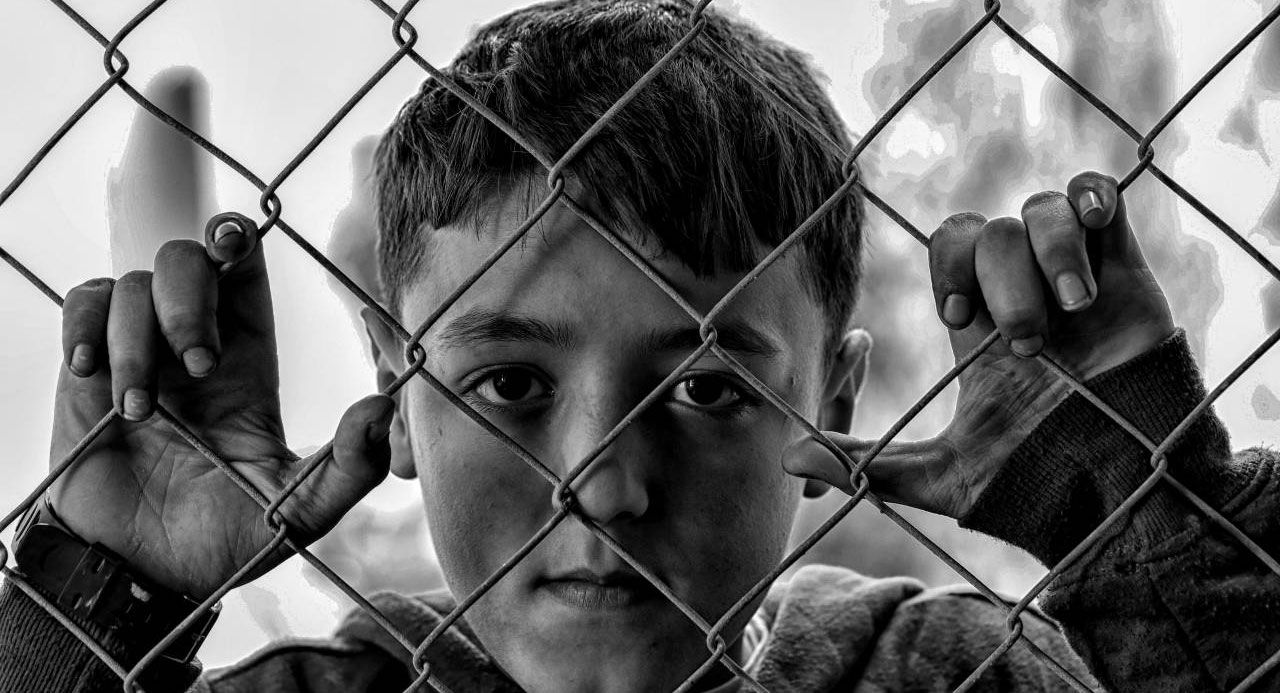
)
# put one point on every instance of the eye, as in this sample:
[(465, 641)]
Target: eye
[(510, 386), (708, 392)]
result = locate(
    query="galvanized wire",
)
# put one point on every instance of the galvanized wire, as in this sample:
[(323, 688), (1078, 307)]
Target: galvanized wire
[(563, 496)]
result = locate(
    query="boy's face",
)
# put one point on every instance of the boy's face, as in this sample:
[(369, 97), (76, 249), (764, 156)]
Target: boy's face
[(554, 345)]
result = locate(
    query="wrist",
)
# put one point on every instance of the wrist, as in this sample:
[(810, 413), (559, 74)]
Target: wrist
[(1127, 347), (98, 591), (1078, 466)]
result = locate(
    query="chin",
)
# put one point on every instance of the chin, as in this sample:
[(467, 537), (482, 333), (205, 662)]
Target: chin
[(597, 672), (602, 648)]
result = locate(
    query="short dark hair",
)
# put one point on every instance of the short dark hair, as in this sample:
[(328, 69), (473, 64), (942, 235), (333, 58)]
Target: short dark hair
[(702, 160)]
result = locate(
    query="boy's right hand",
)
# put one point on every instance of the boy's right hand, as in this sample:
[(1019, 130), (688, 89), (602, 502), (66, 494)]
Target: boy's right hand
[(204, 348)]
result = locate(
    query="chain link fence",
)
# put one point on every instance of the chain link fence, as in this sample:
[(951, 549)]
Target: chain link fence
[(404, 37)]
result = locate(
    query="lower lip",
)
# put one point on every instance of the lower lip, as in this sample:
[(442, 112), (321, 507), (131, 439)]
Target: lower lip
[(593, 596)]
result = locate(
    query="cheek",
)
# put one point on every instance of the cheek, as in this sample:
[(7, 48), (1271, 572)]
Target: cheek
[(763, 504), (482, 501), (739, 503)]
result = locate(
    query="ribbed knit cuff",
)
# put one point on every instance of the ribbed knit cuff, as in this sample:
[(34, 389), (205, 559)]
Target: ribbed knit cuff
[(39, 655), (1079, 465)]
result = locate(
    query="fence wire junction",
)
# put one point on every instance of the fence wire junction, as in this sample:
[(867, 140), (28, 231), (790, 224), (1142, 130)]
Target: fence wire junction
[(405, 37)]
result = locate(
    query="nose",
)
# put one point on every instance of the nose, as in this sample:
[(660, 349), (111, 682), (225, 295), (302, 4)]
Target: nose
[(610, 491), (616, 485)]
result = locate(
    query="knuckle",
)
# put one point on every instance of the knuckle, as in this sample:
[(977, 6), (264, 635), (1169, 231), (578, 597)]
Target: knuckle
[(1003, 229), (134, 280), (177, 251), (951, 245), (1095, 179), (1046, 200), (961, 223), (87, 299), (92, 287)]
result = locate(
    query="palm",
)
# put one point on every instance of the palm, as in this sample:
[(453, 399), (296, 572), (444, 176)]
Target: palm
[(166, 509), (143, 486)]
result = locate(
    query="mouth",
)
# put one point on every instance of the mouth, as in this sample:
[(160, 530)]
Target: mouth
[(597, 591)]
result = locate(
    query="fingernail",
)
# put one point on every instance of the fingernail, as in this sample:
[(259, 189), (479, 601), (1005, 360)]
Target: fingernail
[(137, 404), (1027, 346), (1090, 206), (199, 361), (225, 229), (955, 310), (1073, 293), (82, 359)]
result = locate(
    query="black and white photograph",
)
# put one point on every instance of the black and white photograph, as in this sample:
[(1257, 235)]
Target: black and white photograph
[(640, 346)]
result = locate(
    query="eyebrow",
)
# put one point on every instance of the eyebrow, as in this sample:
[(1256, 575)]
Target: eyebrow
[(731, 335), (481, 325)]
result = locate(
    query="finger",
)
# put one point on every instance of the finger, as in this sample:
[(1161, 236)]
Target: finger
[(1101, 208), (84, 325), (1094, 197), (230, 238), (1058, 241), (132, 337), (908, 473), (162, 186), (957, 294), (361, 458), (1011, 284), (184, 291), (955, 285), (963, 342), (232, 243)]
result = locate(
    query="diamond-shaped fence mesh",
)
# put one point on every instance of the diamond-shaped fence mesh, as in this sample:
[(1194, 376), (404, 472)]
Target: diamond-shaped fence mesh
[(713, 625)]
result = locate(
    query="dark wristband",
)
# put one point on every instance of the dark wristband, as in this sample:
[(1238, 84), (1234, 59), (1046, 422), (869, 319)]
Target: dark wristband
[(94, 586)]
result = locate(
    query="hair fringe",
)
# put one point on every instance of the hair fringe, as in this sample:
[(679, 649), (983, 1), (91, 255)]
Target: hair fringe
[(701, 162)]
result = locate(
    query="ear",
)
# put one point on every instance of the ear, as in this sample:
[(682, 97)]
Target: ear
[(840, 391), (388, 359)]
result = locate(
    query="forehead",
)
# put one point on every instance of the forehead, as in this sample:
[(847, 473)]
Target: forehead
[(564, 271)]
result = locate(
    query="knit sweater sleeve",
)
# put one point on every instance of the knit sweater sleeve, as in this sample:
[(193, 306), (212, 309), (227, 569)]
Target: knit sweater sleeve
[(39, 655), (1168, 599)]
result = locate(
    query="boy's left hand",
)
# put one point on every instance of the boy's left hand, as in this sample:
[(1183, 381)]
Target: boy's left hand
[(1015, 275)]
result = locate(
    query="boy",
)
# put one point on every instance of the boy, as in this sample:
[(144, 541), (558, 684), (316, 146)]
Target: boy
[(700, 176)]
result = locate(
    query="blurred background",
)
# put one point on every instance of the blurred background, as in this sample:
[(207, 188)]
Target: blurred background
[(261, 77)]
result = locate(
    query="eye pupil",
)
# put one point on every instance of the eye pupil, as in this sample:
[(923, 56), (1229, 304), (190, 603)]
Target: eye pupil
[(704, 390), (512, 384)]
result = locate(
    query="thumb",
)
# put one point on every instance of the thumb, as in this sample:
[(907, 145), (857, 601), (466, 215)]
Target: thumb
[(907, 473), (356, 462)]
